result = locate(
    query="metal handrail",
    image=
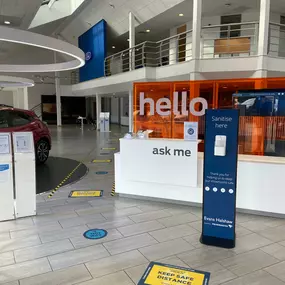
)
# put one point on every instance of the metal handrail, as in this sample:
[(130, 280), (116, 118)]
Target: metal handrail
[(276, 43)]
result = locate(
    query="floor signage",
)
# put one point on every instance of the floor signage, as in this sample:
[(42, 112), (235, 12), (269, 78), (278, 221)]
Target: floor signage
[(108, 148), (165, 274), (101, 160), (219, 183), (95, 234), (86, 193), (101, 172)]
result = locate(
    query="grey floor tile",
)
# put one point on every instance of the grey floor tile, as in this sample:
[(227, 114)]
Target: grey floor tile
[(24, 270), (178, 220), (77, 256), (12, 283), (136, 229), (19, 224), (196, 225), (150, 216), (277, 270), (80, 241), (118, 278), (152, 207), (196, 211), (69, 276), (129, 243), (262, 223), (116, 263), (242, 218), (250, 242), (6, 258), (36, 230), (173, 232), (204, 255), (119, 222), (13, 244), (44, 219), (166, 249), (219, 274), (95, 210), (194, 240), (275, 234), (63, 234), (42, 250), (122, 204), (276, 250), (122, 213), (241, 231), (248, 262), (256, 278), (82, 220), (179, 210)]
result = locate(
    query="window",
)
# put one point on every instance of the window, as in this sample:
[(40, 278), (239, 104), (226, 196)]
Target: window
[(230, 31), (3, 119), (17, 119)]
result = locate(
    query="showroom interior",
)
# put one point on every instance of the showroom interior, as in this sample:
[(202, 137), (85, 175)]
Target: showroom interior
[(142, 142)]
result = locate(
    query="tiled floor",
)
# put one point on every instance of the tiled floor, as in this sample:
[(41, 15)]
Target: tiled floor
[(49, 249)]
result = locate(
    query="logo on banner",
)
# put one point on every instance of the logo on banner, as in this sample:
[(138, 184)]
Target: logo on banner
[(88, 55), (190, 131)]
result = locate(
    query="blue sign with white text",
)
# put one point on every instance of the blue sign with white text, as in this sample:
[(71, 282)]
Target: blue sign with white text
[(95, 234), (220, 172)]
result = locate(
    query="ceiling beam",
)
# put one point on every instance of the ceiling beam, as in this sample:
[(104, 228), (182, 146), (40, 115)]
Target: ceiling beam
[(51, 2)]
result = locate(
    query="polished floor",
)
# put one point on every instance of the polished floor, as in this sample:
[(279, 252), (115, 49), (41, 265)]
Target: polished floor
[(49, 249)]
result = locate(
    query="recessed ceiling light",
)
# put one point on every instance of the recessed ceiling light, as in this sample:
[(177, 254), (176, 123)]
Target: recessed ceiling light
[(148, 31), (181, 15), (113, 47), (7, 22)]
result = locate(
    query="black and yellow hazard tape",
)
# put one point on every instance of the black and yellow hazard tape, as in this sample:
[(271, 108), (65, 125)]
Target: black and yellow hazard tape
[(113, 190), (64, 180)]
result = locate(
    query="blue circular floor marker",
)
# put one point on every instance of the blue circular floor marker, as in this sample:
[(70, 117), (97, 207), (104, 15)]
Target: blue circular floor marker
[(95, 234), (101, 172)]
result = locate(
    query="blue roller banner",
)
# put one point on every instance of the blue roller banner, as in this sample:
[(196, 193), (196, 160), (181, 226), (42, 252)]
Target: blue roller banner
[(220, 179)]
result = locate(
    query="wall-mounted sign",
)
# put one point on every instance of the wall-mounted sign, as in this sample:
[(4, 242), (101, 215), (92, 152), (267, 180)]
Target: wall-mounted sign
[(88, 55), (191, 131), (4, 173), (220, 172), (165, 274)]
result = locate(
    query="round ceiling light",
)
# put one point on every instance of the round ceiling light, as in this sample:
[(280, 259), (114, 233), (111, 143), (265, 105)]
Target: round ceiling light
[(148, 31), (12, 82), (181, 15), (7, 22), (44, 42)]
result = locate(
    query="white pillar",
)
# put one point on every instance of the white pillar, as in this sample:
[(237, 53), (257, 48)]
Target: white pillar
[(131, 112), (132, 40), (16, 103), (264, 17), (98, 110), (26, 98), (58, 99), (196, 30)]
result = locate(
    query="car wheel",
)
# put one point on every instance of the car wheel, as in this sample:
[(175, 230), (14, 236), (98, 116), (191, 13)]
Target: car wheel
[(42, 151)]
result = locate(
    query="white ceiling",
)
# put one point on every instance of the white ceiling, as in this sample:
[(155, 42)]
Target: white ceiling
[(115, 12)]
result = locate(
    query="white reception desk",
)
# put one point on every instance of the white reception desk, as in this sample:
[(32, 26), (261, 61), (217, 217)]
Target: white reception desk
[(173, 169)]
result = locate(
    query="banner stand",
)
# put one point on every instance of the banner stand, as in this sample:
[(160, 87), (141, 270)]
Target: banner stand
[(220, 178)]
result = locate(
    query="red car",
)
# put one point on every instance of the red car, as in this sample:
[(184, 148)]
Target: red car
[(17, 120)]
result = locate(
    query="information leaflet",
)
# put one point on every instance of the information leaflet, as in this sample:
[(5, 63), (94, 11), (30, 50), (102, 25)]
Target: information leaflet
[(220, 172)]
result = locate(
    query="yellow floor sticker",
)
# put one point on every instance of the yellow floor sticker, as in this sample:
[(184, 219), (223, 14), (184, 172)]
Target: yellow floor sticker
[(86, 193), (165, 274), (109, 148), (101, 160)]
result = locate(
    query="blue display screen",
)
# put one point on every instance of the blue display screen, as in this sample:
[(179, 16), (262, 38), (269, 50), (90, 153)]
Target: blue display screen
[(219, 193)]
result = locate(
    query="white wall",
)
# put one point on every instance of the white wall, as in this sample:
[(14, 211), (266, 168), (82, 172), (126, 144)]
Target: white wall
[(6, 97)]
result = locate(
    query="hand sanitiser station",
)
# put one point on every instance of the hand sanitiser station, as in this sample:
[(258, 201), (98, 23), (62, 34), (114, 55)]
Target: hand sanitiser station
[(25, 174), (17, 176), (6, 178)]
